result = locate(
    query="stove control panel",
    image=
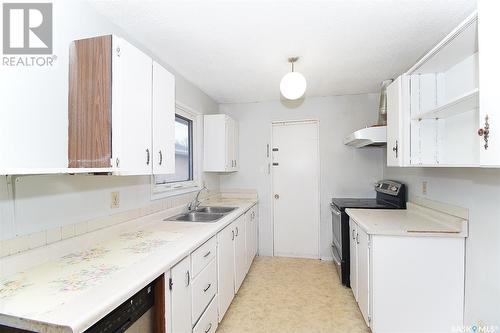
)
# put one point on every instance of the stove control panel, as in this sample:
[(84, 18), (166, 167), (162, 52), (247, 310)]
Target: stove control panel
[(388, 186)]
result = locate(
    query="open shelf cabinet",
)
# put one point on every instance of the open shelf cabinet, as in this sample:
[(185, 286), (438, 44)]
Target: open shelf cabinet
[(443, 102)]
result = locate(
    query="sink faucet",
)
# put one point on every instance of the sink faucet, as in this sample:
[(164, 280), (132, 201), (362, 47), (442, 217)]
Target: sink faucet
[(193, 205)]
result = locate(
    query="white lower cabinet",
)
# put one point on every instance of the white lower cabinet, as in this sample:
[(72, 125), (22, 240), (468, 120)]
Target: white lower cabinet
[(202, 286), (353, 257), (225, 269), (251, 221), (180, 297), (399, 280), (363, 269), (240, 252), (236, 248), (208, 322)]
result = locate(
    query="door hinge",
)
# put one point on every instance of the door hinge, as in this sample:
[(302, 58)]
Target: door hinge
[(369, 319), (170, 283)]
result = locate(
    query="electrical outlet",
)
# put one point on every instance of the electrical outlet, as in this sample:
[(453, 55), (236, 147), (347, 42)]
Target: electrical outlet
[(115, 200), (424, 187)]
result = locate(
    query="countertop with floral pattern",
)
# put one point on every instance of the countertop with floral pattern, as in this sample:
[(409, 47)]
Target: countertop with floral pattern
[(74, 291)]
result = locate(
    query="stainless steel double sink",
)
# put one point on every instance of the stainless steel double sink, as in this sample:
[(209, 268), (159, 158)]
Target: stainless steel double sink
[(207, 214)]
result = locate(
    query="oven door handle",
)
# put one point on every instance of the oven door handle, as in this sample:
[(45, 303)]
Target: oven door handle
[(336, 259), (335, 211)]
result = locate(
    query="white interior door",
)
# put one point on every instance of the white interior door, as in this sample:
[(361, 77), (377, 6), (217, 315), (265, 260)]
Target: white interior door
[(296, 189)]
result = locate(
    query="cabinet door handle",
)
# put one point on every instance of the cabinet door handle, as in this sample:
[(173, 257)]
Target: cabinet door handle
[(208, 328), (233, 234), (207, 254), (353, 232), (485, 132), (147, 156), (188, 278), (208, 287), (161, 158), (357, 238), (395, 149), (237, 232)]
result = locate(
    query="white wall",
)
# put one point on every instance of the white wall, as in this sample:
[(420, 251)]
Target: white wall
[(34, 114), (479, 191), (344, 171)]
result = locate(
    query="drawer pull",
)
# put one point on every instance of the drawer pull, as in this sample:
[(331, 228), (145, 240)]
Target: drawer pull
[(207, 254), (208, 287), (208, 328)]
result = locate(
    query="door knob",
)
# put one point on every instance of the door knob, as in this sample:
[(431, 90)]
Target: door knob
[(276, 196)]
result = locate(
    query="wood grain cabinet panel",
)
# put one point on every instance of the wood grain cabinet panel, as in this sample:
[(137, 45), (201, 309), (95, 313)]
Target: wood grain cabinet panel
[(89, 117), (113, 122)]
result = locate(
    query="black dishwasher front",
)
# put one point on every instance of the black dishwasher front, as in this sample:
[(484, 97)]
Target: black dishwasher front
[(127, 313)]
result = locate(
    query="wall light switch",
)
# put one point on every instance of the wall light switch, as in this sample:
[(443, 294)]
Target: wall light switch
[(115, 200)]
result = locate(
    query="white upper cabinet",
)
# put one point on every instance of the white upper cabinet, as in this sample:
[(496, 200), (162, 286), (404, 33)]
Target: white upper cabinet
[(121, 109), (443, 102), (442, 111), (163, 154), (220, 143), (132, 105), (397, 93), (489, 72)]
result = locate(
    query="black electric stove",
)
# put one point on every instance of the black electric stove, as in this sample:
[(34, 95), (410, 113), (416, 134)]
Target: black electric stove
[(389, 195)]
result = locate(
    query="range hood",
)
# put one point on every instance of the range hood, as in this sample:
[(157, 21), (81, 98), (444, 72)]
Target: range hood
[(374, 136)]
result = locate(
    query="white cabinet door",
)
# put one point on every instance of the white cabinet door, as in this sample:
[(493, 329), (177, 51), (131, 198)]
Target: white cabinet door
[(229, 144), (255, 230), (233, 144), (251, 236), (395, 123), (163, 153), (220, 143), (353, 259), (249, 241), (489, 72), (363, 270), (240, 253), (225, 268), (180, 310), (131, 109)]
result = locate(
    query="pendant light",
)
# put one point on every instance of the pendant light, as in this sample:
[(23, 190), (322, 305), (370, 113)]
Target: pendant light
[(293, 85)]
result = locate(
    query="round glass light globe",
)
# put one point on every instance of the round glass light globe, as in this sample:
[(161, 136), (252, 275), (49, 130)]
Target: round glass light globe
[(293, 85)]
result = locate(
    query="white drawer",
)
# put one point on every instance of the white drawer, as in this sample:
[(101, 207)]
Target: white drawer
[(203, 255), (204, 288), (209, 320)]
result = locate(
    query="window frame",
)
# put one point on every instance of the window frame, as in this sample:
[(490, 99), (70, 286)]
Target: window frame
[(165, 190)]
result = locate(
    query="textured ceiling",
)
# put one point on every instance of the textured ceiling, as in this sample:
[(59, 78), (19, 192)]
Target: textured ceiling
[(236, 51)]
